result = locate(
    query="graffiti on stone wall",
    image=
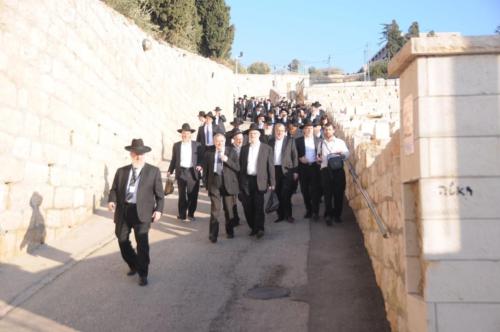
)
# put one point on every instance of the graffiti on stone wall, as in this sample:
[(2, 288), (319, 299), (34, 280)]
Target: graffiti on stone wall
[(455, 190)]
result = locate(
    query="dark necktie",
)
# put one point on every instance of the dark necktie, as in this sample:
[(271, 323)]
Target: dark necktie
[(130, 195), (218, 164)]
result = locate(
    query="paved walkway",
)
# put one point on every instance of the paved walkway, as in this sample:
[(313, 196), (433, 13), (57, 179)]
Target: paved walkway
[(80, 284)]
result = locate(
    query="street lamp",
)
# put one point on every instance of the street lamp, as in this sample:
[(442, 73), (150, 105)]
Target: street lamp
[(237, 61)]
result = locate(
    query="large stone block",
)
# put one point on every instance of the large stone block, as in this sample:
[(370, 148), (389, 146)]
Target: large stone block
[(8, 92), (452, 156), (448, 116), (63, 197), (461, 239), (463, 281), (460, 198), (455, 317), (12, 169)]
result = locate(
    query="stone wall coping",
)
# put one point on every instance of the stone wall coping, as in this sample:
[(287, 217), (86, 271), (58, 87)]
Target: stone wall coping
[(442, 46)]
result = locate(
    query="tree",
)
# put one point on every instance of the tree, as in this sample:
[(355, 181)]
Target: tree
[(259, 68), (378, 70), (393, 38), (294, 66), (178, 22), (413, 31), (218, 33)]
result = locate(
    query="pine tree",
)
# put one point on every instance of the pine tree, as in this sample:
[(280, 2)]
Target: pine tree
[(413, 30), (393, 38), (218, 33), (178, 22)]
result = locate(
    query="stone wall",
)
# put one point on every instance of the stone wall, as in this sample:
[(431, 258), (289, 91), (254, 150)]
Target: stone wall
[(367, 117), (261, 85), (75, 88)]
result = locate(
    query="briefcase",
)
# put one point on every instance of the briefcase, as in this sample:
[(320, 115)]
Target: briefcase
[(169, 186), (273, 202)]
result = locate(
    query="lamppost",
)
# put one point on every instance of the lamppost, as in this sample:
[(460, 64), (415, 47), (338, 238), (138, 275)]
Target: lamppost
[(237, 61)]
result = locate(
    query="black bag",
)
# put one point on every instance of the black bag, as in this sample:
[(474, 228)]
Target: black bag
[(273, 203), (335, 162)]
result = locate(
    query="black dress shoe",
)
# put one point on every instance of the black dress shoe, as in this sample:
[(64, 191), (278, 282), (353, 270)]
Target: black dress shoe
[(278, 220), (308, 215), (191, 218), (252, 233), (230, 236), (328, 221), (315, 217), (143, 281), (291, 220), (260, 234), (212, 239), (131, 272), (181, 218)]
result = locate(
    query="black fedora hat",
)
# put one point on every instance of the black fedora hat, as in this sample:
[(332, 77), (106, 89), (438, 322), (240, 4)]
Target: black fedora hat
[(138, 146), (307, 122), (185, 127), (236, 121), (253, 126), (316, 104), (210, 114), (218, 109), (201, 113)]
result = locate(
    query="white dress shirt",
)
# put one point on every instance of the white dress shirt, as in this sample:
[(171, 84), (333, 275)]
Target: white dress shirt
[(186, 155), (334, 146), (218, 153), (133, 189), (278, 145), (253, 156), (209, 135), (310, 149)]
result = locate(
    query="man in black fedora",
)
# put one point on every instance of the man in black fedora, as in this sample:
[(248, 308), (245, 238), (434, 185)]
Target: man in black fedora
[(205, 134), (219, 120), (315, 112), (221, 168), (186, 161), (309, 174), (236, 123), (256, 176), (136, 198)]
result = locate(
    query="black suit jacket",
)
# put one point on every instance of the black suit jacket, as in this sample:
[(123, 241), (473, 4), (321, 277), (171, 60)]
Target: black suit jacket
[(150, 196), (200, 136), (289, 159), (230, 171), (265, 168), (220, 127), (301, 147), (196, 157)]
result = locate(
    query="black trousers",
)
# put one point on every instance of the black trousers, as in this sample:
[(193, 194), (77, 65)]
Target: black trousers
[(284, 187), (253, 205), (188, 187), (138, 261), (310, 186), (222, 203), (333, 188)]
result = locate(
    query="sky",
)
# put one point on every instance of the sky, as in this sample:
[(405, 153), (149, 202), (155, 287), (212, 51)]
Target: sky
[(277, 31)]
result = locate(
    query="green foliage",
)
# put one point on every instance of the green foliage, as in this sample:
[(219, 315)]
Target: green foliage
[(259, 68), (294, 66), (178, 22), (324, 71), (378, 70), (391, 34), (413, 30), (136, 10), (218, 33)]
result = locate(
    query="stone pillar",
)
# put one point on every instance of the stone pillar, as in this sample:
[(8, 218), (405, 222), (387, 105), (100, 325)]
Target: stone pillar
[(450, 169)]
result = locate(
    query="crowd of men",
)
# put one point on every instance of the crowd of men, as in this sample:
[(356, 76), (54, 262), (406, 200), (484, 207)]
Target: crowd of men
[(285, 145)]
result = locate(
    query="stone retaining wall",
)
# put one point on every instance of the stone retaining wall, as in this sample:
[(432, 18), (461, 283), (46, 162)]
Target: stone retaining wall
[(75, 87)]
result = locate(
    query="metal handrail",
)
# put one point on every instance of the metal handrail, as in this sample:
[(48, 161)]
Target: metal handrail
[(380, 223)]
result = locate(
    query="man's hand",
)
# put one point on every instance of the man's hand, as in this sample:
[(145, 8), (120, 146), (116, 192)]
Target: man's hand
[(295, 176), (224, 158), (271, 187), (156, 216), (168, 174), (199, 168), (303, 160), (111, 206)]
